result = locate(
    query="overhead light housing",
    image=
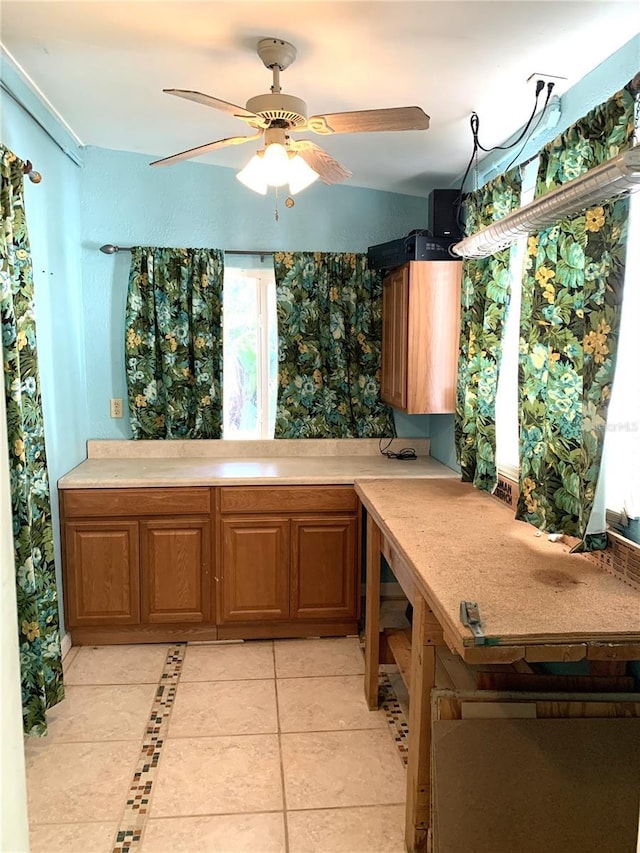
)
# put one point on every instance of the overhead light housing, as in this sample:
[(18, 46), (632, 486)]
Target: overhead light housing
[(276, 165), (618, 176)]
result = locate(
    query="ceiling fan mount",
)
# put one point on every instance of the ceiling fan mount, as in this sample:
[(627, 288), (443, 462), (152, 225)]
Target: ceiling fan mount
[(276, 53)]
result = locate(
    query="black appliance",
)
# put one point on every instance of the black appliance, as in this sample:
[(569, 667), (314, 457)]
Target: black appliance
[(416, 246), (443, 213)]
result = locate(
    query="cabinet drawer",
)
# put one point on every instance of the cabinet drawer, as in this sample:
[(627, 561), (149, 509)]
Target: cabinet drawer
[(93, 503), (288, 498)]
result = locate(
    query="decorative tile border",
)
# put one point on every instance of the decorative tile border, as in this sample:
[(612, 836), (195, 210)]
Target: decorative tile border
[(133, 820), (395, 716)]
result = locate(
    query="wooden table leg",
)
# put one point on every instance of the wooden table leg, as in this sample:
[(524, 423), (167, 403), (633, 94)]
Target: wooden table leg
[(423, 674), (372, 615)]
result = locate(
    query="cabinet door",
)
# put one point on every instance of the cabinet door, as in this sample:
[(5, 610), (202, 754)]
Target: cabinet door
[(255, 569), (324, 572), (102, 584), (395, 302), (176, 570)]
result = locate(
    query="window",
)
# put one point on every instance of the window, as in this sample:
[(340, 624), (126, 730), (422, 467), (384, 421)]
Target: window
[(622, 441), (250, 348), (507, 392)]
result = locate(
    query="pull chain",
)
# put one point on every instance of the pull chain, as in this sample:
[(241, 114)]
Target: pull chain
[(636, 121), (276, 213)]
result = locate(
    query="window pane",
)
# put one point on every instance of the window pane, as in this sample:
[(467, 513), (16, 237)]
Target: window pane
[(250, 353), (622, 441)]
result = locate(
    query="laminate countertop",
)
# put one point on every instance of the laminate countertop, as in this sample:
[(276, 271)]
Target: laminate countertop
[(306, 462)]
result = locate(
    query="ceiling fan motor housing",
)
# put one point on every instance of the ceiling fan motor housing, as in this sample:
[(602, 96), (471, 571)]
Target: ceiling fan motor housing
[(279, 108)]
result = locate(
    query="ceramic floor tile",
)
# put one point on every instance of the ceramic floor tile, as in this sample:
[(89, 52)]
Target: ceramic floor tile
[(140, 664), (373, 829), (68, 658), (68, 782), (243, 833), (252, 659), (330, 656), (353, 768), (221, 775), (214, 708), (99, 713), (66, 837), (325, 704)]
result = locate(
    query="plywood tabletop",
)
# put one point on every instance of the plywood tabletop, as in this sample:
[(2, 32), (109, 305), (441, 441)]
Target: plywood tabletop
[(463, 544)]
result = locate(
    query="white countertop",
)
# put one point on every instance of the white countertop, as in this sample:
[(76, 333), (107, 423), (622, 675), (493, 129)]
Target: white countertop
[(130, 464)]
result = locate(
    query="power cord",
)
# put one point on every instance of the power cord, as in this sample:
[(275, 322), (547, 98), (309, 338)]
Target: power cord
[(405, 453), (477, 146), (550, 86)]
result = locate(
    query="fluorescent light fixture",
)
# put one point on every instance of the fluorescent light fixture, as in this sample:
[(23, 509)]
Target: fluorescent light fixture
[(618, 176), (274, 167)]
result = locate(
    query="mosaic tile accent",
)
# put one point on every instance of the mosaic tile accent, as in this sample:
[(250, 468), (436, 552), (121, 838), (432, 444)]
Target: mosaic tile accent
[(129, 834), (395, 716)]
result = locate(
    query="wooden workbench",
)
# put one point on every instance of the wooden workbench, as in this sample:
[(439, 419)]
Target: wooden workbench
[(447, 542)]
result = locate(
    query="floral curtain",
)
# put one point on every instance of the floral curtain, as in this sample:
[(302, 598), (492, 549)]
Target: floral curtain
[(173, 343), (330, 337), (571, 300), (38, 626), (485, 301)]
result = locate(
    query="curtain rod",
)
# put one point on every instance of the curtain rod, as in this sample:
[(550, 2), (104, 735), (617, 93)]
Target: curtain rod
[(23, 106), (110, 249)]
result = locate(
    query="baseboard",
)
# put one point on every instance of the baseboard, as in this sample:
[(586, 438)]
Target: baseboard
[(65, 645)]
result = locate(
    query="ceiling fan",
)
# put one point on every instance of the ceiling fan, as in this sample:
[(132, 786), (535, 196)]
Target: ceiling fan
[(275, 116)]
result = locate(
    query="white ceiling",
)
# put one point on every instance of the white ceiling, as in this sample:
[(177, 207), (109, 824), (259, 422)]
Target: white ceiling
[(103, 65)]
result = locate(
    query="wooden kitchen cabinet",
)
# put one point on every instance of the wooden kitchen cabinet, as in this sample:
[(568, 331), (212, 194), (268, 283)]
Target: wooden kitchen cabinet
[(255, 569), (102, 585), (289, 561), (136, 562), (323, 554), (420, 335), (176, 570)]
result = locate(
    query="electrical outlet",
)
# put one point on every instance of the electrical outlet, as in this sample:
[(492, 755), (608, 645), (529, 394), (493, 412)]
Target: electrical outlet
[(116, 407)]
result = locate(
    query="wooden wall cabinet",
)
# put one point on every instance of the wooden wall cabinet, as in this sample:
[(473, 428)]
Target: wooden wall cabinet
[(420, 335), (136, 558), (289, 559)]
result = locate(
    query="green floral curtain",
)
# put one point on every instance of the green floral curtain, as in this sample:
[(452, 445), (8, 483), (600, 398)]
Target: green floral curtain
[(38, 627), (173, 343), (485, 301), (330, 337), (571, 299)]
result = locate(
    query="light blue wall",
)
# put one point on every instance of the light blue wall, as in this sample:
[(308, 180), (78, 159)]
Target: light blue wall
[(126, 202), (52, 209), (593, 89)]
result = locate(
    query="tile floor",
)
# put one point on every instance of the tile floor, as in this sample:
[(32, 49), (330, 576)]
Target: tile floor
[(260, 746)]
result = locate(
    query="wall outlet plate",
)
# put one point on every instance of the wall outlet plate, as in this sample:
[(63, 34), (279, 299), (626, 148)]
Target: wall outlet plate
[(116, 407)]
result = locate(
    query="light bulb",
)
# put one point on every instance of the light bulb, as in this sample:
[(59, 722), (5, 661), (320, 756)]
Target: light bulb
[(254, 174), (276, 165), (301, 175)]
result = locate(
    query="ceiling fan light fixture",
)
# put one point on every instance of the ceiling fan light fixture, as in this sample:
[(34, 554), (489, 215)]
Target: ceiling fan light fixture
[(275, 166)]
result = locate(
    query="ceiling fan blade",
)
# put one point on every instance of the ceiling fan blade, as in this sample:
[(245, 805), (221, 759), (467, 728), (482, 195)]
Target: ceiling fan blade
[(209, 101), (203, 149), (330, 171), (366, 121)]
